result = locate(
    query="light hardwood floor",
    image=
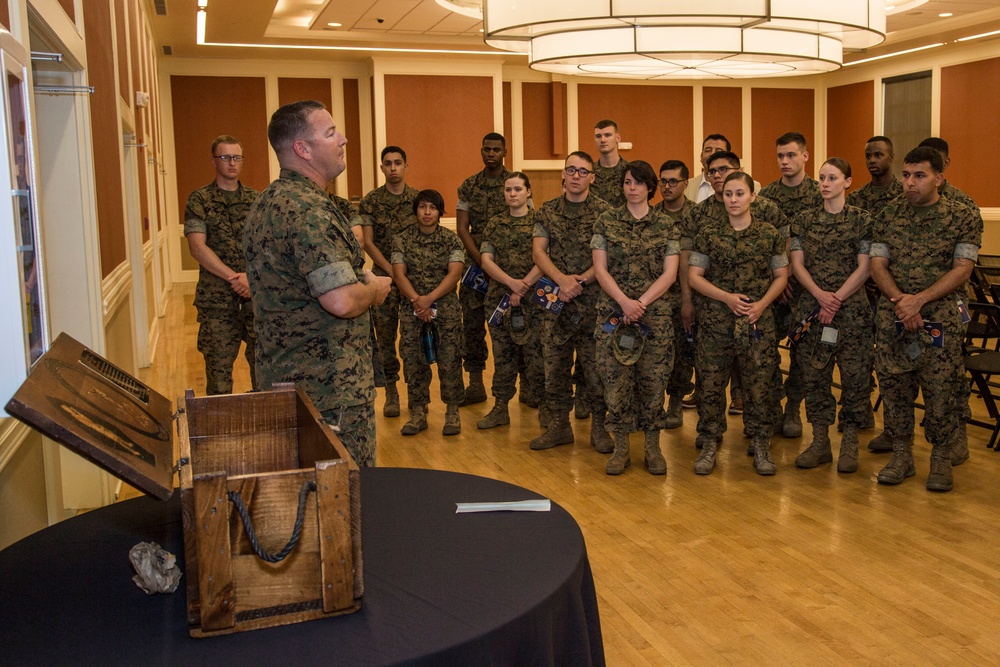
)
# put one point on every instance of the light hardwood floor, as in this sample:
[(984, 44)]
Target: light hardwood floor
[(807, 567)]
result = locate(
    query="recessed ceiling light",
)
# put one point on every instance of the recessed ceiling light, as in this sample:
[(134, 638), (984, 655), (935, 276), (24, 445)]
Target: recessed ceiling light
[(944, 15), (333, 24)]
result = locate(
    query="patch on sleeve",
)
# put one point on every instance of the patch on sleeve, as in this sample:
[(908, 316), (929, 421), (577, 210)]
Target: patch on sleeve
[(330, 277)]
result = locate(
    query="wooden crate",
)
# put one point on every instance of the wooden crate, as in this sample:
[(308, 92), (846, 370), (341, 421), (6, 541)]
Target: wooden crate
[(258, 449)]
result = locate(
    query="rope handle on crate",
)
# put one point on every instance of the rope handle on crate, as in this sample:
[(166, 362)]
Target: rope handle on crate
[(237, 500)]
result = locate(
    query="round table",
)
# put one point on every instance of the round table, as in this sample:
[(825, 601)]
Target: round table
[(500, 588)]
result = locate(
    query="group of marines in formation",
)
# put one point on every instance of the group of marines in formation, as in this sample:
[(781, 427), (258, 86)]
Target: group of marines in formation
[(704, 284)]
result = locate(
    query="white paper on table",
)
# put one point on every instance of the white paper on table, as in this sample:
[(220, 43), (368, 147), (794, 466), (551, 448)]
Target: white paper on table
[(543, 505)]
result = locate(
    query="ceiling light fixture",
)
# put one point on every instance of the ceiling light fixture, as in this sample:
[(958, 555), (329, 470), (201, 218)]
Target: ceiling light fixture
[(944, 15), (471, 8), (899, 6), (979, 36), (671, 39), (893, 55), (333, 24)]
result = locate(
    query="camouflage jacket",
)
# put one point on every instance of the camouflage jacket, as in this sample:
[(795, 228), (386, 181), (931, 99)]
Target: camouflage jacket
[(803, 197), (348, 210), (509, 240), (298, 246), (483, 198), (873, 198), (608, 183), (921, 245), (426, 256), (951, 192), (387, 214), (211, 211), (569, 235), (713, 210), (636, 250), (830, 245)]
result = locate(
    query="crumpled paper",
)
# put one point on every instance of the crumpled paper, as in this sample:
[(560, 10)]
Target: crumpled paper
[(156, 568)]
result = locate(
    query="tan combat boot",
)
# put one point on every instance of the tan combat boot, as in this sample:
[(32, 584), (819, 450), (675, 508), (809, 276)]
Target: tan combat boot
[(675, 412), (559, 432), (900, 466), (705, 462), (452, 422), (418, 421), (762, 460), (599, 436), (544, 414), (791, 423), (475, 392), (498, 416), (848, 459), (939, 478), (655, 463), (818, 450), (391, 407), (960, 446), (880, 443), (622, 458)]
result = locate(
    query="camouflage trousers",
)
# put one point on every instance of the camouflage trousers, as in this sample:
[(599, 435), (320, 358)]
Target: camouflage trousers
[(473, 328), (386, 330), (559, 340), (634, 394), (853, 354), (938, 373), (680, 383), (792, 387), (220, 333), (355, 426), (722, 341), (416, 371), (509, 359)]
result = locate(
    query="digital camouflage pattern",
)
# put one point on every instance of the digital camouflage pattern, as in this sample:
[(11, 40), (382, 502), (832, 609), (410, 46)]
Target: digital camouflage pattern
[(738, 262), (954, 194), (427, 257), (387, 214), (298, 246), (355, 426), (225, 318), (699, 215), (872, 198), (607, 183), (830, 244), (569, 230), (803, 197), (348, 210), (509, 240), (483, 198), (921, 245), (680, 383), (636, 250)]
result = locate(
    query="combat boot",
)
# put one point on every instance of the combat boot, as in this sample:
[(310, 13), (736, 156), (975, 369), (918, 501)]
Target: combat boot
[(559, 432), (675, 412), (498, 416), (544, 415), (939, 478), (655, 463), (452, 422), (900, 466), (791, 423), (880, 443), (762, 460), (622, 458), (848, 459), (599, 436), (580, 408), (391, 407), (476, 391), (818, 450), (960, 446), (418, 421), (705, 462)]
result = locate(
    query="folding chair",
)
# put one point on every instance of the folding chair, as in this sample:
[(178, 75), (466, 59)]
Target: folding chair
[(982, 365)]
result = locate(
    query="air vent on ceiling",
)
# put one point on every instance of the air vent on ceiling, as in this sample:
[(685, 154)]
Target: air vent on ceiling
[(161, 7), (168, 50)]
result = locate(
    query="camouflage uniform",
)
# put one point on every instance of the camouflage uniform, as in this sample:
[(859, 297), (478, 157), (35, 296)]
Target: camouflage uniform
[(426, 257), (225, 318), (830, 244), (872, 198), (739, 262), (387, 214), (635, 251), (921, 245), (509, 240), (569, 230), (803, 197), (298, 247), (680, 383), (607, 183), (348, 210), (483, 198), (954, 194)]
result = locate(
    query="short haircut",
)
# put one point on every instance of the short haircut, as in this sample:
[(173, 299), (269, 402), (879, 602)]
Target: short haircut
[(742, 176), (937, 143), (932, 156), (717, 137), (670, 165), (583, 155), (495, 136), (431, 197), (643, 172), (519, 174), (840, 163), (880, 138), (392, 149), (225, 139), (791, 137), (607, 122), (291, 122), (730, 156)]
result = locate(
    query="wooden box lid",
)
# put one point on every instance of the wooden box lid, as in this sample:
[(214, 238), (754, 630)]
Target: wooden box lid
[(81, 400)]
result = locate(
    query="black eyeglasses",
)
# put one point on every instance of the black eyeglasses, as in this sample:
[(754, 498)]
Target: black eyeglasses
[(229, 158), (671, 182), (573, 171), (721, 171)]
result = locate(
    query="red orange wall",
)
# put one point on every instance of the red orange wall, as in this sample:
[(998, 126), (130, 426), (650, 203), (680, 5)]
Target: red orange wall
[(775, 111)]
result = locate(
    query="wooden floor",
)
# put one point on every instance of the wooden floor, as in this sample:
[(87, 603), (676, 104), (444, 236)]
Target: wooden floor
[(805, 568)]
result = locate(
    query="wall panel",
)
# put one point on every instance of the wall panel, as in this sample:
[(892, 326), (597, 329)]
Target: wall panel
[(722, 113), (970, 96), (352, 125), (774, 112), (850, 117), (541, 138)]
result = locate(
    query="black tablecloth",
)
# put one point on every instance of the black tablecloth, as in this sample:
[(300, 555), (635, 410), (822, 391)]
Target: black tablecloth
[(511, 588)]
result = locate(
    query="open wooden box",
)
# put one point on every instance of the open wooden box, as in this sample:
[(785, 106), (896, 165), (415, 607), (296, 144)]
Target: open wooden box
[(267, 451)]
